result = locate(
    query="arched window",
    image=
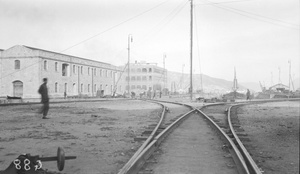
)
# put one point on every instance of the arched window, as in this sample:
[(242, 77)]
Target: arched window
[(56, 87), (17, 64), (66, 87), (56, 66), (45, 65), (65, 69)]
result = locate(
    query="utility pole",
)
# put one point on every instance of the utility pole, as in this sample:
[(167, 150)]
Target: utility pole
[(165, 79), (191, 54), (129, 40)]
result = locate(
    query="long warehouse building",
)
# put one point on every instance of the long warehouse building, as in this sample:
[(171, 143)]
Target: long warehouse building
[(22, 69)]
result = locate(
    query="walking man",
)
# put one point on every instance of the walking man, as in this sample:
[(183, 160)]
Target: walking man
[(43, 90)]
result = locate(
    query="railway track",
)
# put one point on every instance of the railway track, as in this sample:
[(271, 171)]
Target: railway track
[(190, 145)]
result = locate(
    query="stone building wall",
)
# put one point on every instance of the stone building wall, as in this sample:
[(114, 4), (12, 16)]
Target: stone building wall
[(65, 73)]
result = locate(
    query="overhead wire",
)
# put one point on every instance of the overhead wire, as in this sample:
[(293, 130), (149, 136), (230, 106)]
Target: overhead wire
[(171, 16), (114, 26), (85, 40), (256, 16), (162, 23), (198, 45)]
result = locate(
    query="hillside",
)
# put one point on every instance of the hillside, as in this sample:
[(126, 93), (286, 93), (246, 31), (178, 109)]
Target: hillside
[(180, 82)]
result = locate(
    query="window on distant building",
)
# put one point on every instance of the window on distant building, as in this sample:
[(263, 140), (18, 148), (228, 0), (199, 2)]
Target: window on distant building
[(150, 78), (150, 69), (56, 66), (56, 87), (138, 78), (144, 78), (74, 69), (65, 69), (133, 78), (45, 65), (144, 70), (17, 64), (100, 72)]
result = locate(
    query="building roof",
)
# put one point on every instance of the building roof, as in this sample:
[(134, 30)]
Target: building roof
[(63, 54), (279, 85)]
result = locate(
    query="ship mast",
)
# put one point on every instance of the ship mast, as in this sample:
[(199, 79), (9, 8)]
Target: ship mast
[(235, 84)]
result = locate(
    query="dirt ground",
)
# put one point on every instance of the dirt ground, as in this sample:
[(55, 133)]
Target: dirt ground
[(101, 134), (273, 129)]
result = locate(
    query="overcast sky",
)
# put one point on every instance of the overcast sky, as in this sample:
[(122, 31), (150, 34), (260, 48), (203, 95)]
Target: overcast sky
[(256, 36)]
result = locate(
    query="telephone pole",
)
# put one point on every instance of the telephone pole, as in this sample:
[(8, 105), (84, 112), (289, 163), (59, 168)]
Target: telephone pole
[(191, 54)]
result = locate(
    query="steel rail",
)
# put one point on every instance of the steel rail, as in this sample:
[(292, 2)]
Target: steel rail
[(130, 164), (252, 167), (245, 164), (236, 154), (137, 162)]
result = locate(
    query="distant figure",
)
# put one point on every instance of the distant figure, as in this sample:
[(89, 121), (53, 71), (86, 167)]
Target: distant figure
[(132, 94), (65, 94), (43, 90), (248, 94)]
